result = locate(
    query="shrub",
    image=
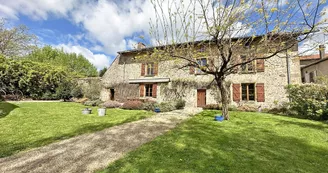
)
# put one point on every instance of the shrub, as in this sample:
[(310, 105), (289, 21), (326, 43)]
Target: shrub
[(92, 91), (132, 105), (77, 92), (111, 104), (309, 100), (93, 103), (166, 106), (212, 107), (232, 108), (180, 104), (247, 108), (149, 105)]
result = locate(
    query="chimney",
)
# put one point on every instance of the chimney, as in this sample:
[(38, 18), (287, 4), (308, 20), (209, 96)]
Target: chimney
[(140, 46), (322, 51)]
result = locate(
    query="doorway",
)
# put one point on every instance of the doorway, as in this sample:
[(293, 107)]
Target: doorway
[(201, 97), (112, 94)]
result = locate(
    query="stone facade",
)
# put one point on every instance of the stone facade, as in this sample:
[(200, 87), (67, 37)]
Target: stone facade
[(184, 85)]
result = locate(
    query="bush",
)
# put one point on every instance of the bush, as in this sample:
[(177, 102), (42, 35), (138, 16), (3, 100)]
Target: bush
[(247, 108), (309, 100), (111, 104), (92, 91), (212, 107), (149, 105), (133, 105), (180, 104), (77, 92), (166, 106), (93, 103)]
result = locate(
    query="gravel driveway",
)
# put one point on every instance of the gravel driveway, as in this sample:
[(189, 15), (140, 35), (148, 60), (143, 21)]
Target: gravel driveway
[(90, 152)]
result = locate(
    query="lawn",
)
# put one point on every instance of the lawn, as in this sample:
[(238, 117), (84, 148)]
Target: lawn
[(249, 142), (28, 125)]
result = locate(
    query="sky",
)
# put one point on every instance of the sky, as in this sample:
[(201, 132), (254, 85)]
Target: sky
[(97, 29)]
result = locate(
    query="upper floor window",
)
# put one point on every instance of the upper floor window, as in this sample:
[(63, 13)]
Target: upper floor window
[(150, 69), (202, 63), (248, 92), (249, 67)]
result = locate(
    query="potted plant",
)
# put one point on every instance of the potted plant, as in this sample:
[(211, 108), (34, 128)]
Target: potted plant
[(102, 111), (86, 111)]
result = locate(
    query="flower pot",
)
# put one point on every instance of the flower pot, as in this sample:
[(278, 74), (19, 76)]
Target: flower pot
[(86, 111), (219, 118), (101, 111), (157, 110)]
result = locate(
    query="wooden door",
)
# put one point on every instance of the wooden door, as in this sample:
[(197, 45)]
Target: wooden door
[(201, 97)]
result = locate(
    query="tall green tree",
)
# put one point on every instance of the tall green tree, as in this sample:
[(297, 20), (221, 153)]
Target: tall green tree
[(102, 72), (72, 62), (15, 41)]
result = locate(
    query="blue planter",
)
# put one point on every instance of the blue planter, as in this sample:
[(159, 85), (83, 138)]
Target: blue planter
[(219, 118), (157, 110)]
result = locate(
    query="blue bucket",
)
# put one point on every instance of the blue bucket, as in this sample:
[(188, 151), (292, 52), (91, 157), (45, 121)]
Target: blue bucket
[(219, 118), (157, 110)]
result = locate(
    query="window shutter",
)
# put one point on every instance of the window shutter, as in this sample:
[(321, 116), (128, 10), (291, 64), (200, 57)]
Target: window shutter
[(154, 90), (237, 61), (236, 92), (142, 90), (260, 65), (143, 67), (260, 92), (155, 69), (191, 70)]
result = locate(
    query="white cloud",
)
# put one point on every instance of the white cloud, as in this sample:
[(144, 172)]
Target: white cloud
[(98, 60), (36, 9), (110, 23)]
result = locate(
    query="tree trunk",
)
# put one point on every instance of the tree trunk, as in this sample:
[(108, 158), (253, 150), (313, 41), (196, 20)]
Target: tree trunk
[(224, 98)]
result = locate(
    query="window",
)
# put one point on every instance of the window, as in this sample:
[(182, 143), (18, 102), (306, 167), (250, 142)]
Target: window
[(312, 76), (150, 69), (202, 62), (149, 90), (248, 92), (249, 67)]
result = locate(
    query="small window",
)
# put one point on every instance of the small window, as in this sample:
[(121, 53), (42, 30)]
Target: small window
[(150, 69), (203, 63), (248, 92), (149, 90), (312, 77), (249, 67)]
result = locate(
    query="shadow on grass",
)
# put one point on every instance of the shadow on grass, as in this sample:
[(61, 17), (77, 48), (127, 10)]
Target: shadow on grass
[(10, 149), (6, 108), (201, 145)]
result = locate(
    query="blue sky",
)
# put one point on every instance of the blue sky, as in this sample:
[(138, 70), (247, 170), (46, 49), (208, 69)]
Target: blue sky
[(98, 29)]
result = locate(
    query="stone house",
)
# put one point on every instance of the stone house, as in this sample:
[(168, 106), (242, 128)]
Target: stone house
[(318, 67), (260, 83)]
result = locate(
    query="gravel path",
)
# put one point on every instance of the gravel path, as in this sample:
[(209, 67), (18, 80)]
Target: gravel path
[(90, 152)]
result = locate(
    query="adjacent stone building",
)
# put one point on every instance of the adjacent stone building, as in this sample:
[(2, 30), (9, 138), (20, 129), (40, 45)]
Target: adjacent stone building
[(260, 83), (318, 67)]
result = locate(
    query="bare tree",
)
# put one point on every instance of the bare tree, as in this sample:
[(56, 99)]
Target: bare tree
[(15, 41), (227, 29)]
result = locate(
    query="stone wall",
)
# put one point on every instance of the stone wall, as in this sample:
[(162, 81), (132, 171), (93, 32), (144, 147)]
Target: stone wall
[(274, 78)]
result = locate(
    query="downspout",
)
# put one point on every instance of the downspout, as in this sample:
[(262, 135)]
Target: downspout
[(288, 67)]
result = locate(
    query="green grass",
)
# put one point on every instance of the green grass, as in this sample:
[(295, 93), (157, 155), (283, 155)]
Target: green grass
[(249, 142), (28, 125)]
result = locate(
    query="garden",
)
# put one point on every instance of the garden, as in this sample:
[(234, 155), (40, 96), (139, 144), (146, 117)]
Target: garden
[(26, 125), (249, 142)]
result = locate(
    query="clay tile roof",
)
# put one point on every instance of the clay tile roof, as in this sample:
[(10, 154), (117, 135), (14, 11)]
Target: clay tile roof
[(311, 57)]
